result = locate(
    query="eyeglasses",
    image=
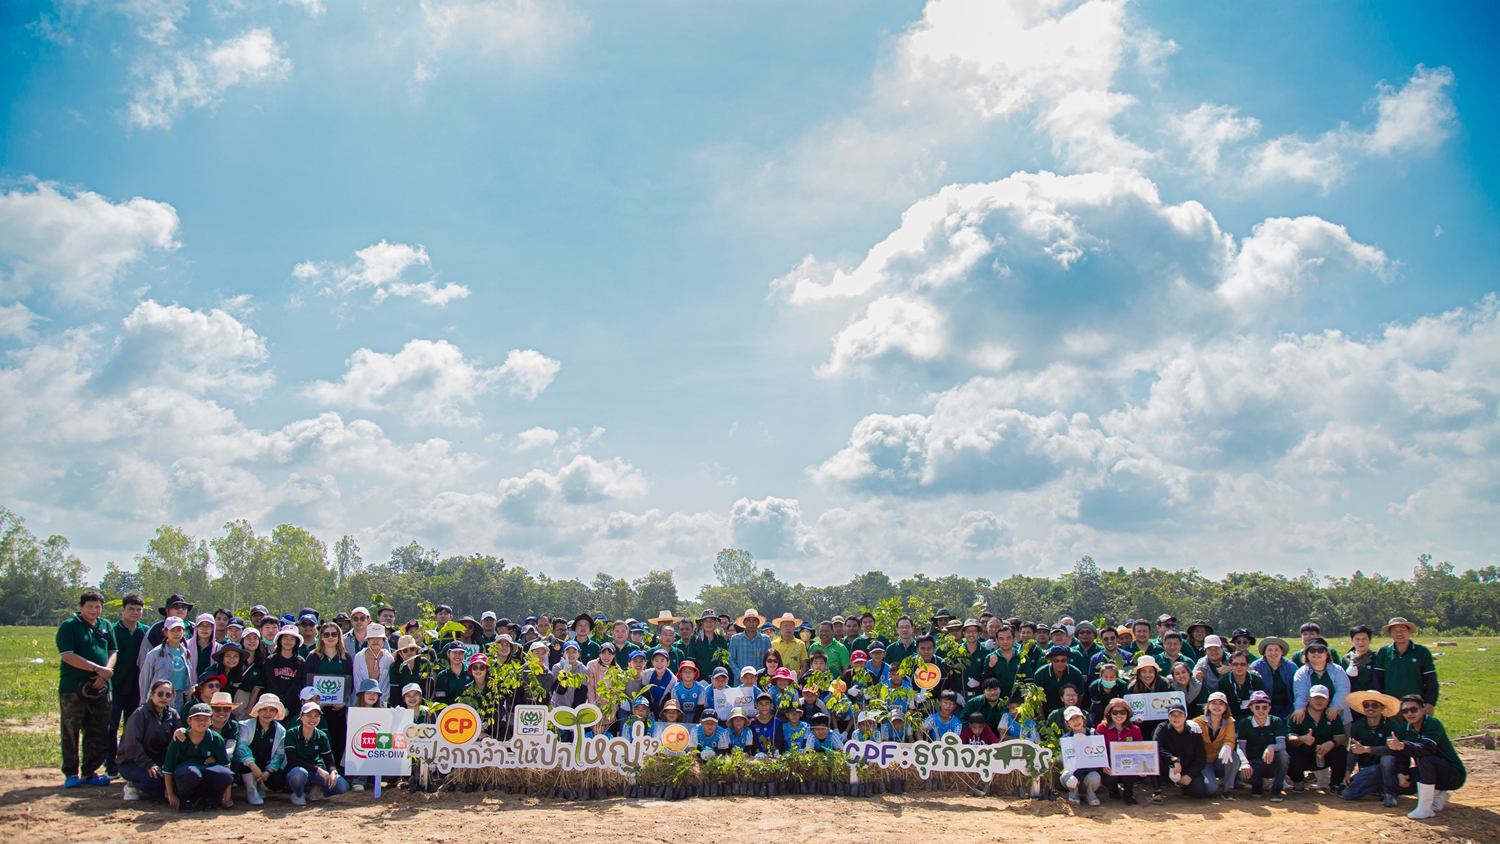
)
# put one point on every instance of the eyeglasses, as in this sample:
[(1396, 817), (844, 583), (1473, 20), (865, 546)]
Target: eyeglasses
[(1316, 651), (331, 635), (1410, 710), (1373, 704)]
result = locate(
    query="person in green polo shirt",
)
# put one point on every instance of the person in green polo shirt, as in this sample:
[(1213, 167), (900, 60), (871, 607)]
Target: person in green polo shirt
[(1421, 742), (309, 758), (87, 645), (1317, 740), (991, 704), (1056, 674), (1264, 736), (1004, 662), (838, 655), (1359, 662), (197, 765), (1367, 746), (1404, 667)]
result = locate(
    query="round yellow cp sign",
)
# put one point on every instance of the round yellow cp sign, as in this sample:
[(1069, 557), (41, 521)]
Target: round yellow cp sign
[(458, 723), (675, 738)]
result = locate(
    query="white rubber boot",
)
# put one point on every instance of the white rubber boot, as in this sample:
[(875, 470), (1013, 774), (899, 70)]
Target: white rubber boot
[(252, 791), (1425, 795), (1440, 800)]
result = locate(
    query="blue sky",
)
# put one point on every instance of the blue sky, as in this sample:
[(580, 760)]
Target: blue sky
[(956, 287)]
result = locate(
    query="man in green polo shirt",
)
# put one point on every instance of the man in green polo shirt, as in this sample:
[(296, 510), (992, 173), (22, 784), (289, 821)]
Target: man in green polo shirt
[(1404, 667), (991, 704), (87, 645), (197, 765), (1421, 739), (1004, 662), (838, 655)]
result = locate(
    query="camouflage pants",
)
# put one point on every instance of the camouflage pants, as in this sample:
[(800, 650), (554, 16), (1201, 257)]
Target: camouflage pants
[(89, 720)]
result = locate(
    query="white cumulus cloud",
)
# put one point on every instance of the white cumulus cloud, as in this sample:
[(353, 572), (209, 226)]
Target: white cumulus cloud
[(199, 79), (529, 372), (427, 381), (380, 269)]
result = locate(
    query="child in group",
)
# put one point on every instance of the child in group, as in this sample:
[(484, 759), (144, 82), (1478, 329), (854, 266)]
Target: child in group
[(670, 714), (765, 726), (794, 730), (367, 694), (782, 692), (1057, 720), (943, 721), (1078, 727), (823, 737), (740, 735), (719, 702), (812, 703), (1118, 725), (690, 695), (640, 713), (1011, 724), (707, 738), (896, 728), (659, 680), (867, 727), (977, 731)]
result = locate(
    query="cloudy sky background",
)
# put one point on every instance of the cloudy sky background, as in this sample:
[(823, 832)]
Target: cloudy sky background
[(972, 287)]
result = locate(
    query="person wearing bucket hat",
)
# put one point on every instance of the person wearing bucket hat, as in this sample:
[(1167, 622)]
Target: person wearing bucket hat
[(691, 694), (1368, 736), (241, 680), (1241, 640), (1193, 636), (283, 668), (740, 735), (1279, 674), (196, 766), (408, 667), (1265, 745), (201, 643), (263, 736), (175, 606), (1404, 667), (748, 648), (1318, 740), (707, 642), (1240, 683)]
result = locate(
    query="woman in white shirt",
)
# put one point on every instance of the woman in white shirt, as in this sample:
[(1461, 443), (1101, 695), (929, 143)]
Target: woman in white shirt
[(374, 662)]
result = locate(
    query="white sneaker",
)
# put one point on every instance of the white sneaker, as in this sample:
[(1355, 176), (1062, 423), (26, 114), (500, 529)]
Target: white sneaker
[(252, 796), (1440, 800), (1093, 799), (299, 801), (1073, 797), (131, 794), (358, 786), (312, 796)]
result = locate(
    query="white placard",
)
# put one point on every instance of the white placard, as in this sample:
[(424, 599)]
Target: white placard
[(330, 688), (529, 722), (1153, 707), (1081, 752), (376, 742), (727, 698)]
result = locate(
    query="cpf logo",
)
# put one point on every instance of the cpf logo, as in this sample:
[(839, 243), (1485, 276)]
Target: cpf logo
[(458, 724)]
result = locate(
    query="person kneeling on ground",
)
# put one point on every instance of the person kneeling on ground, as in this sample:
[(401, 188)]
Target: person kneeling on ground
[(1317, 740), (309, 759), (1219, 746), (197, 776), (1367, 744), (143, 747), (1179, 743), (1078, 727), (1423, 743)]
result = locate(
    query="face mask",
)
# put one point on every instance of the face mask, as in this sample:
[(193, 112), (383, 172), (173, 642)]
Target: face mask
[(1108, 684), (1069, 628)]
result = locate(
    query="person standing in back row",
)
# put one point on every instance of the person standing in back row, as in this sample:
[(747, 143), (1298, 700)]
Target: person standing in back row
[(1404, 667)]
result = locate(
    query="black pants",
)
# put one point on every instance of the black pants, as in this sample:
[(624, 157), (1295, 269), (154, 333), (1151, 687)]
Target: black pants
[(86, 719), (1125, 784), (1435, 770), (121, 704), (1304, 760)]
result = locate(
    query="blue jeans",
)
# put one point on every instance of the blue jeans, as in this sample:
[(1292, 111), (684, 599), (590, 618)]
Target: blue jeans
[(1259, 770), (192, 782), (1216, 771), (1373, 779), (152, 788), (298, 779)]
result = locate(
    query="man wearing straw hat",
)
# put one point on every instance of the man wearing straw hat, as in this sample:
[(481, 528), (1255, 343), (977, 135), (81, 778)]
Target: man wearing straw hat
[(1377, 772), (791, 648), (748, 647), (1404, 667)]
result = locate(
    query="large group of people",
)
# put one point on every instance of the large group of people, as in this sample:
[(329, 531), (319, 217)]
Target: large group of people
[(214, 702)]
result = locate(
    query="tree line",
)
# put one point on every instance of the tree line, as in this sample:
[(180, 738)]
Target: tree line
[(291, 568)]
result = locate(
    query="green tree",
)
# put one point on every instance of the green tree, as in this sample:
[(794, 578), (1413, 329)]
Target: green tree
[(239, 554), (174, 562)]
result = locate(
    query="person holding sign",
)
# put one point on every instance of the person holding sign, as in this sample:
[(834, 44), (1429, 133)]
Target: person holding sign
[(330, 670), (1083, 770), (1117, 727), (1146, 680), (1264, 748), (1183, 757)]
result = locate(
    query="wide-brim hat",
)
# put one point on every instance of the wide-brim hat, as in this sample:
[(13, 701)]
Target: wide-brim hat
[(1208, 628), (1357, 702), (1146, 661), (709, 614), (1273, 640), (1241, 633), (784, 618), (288, 630), (1398, 621), (271, 700), (583, 616), (174, 599), (750, 613), (665, 617), (229, 647)]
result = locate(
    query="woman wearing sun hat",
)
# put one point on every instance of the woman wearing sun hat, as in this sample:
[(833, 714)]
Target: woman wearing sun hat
[(284, 665), (1278, 673), (263, 736)]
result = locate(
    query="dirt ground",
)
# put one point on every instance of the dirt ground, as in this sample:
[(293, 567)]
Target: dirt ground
[(34, 809)]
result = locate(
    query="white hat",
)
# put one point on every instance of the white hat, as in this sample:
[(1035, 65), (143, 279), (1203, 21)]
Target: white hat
[(1146, 661), (410, 687), (1212, 642), (359, 610), (311, 706), (1318, 691), (487, 614), (1072, 711), (170, 622), (203, 618), (375, 631), (308, 693), (288, 630), (539, 645), (749, 669)]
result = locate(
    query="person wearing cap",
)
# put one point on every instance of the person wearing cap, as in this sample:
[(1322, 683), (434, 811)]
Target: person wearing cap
[(480, 695), (659, 678), (821, 735), (1265, 755), (1359, 662), (564, 694), (1012, 725), (359, 623), (1216, 726), (411, 698), (748, 648), (129, 637), (1404, 667), (234, 630), (829, 645), (1315, 741), (1425, 754), (143, 746), (408, 667), (223, 723), (794, 730), (1182, 754), (309, 758), (257, 613), (866, 727), (329, 659), (706, 737), (449, 684), (284, 667), (1109, 651), (598, 669), (196, 769), (374, 662), (1377, 771), (169, 661), (1076, 725), (487, 623), (1058, 672), (1213, 663), (969, 678), (308, 626), (1164, 622), (765, 726), (203, 642), (1240, 683), (1278, 673), (1118, 726)]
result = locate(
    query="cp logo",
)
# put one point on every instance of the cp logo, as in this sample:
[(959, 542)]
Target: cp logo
[(675, 738), (928, 676), (458, 724)]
